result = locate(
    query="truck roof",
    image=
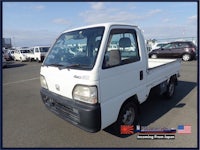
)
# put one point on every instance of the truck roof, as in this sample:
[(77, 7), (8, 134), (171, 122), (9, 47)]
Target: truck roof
[(108, 24), (40, 46)]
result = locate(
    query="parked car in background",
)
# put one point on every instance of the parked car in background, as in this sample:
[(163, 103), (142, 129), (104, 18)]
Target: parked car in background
[(8, 54), (179, 49), (12, 53), (38, 53), (4, 62), (21, 54)]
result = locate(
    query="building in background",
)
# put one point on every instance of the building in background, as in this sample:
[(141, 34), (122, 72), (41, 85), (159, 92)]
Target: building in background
[(7, 43)]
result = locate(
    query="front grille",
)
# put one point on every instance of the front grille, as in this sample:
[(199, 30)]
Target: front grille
[(66, 112)]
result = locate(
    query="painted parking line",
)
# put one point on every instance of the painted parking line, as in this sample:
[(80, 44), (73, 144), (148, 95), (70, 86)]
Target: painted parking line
[(20, 81)]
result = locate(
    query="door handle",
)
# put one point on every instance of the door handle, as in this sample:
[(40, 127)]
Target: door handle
[(141, 75)]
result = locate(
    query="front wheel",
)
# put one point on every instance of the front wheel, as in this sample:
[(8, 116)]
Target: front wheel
[(154, 56), (128, 116)]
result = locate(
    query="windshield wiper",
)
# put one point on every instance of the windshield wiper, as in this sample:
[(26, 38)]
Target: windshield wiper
[(69, 66), (82, 66), (73, 65), (60, 66), (54, 64)]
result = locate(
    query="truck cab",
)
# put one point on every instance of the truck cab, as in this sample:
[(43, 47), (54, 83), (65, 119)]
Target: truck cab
[(97, 86)]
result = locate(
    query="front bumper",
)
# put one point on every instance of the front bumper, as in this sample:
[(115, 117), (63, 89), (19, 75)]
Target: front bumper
[(82, 115)]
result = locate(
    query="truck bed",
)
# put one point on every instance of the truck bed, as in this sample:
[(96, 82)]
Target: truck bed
[(160, 70), (154, 63)]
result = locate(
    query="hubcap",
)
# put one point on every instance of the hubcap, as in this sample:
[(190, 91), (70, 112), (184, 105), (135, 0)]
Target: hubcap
[(186, 57), (128, 117)]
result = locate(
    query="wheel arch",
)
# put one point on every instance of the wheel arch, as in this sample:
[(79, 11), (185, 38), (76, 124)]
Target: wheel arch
[(133, 99), (174, 79), (185, 53)]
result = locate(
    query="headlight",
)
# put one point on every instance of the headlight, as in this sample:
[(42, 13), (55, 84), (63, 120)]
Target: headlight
[(87, 94), (43, 82)]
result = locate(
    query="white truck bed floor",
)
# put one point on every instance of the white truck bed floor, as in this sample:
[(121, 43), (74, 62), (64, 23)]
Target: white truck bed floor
[(153, 63)]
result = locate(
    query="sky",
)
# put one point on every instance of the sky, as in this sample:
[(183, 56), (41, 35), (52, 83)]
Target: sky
[(40, 23)]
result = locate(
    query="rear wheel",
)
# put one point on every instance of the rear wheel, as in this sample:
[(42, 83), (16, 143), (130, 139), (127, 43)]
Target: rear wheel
[(186, 57), (170, 89)]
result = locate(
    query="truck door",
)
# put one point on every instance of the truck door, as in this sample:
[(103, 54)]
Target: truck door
[(123, 72)]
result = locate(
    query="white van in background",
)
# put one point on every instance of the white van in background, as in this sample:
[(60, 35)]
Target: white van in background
[(38, 53), (21, 54)]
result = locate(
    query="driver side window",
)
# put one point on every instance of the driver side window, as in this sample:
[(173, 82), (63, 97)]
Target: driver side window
[(36, 50), (122, 48)]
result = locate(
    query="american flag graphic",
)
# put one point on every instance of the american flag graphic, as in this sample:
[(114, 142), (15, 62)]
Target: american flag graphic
[(126, 129), (184, 129)]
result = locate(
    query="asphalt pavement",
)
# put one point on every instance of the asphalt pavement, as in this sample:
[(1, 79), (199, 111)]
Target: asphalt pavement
[(26, 123)]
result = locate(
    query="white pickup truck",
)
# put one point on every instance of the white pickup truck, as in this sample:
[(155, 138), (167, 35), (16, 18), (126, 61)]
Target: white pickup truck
[(97, 86), (38, 53)]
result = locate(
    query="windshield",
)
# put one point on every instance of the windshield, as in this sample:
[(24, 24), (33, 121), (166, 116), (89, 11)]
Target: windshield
[(161, 45), (25, 51), (44, 49), (76, 49)]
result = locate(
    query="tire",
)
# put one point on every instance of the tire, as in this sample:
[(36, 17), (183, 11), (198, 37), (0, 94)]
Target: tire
[(154, 56), (186, 57), (21, 59), (170, 89), (128, 115), (37, 60)]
